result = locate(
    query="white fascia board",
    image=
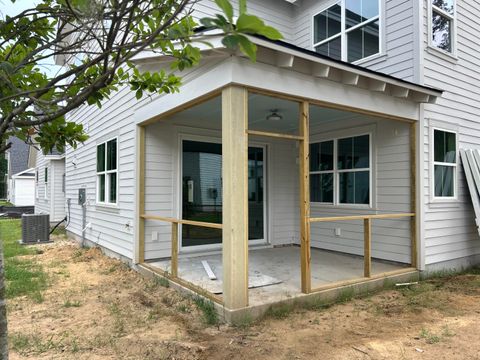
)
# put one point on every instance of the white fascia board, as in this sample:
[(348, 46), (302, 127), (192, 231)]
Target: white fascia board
[(21, 173), (54, 157)]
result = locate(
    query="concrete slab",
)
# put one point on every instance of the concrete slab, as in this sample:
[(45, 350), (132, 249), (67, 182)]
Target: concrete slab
[(274, 273)]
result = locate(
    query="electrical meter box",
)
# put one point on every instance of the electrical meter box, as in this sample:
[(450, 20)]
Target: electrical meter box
[(82, 196)]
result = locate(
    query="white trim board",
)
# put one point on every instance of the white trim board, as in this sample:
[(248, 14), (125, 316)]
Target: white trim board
[(471, 166)]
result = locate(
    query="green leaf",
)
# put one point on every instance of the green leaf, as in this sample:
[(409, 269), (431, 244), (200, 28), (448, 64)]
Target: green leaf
[(247, 47), (231, 41), (270, 33), (139, 94), (226, 7), (249, 23)]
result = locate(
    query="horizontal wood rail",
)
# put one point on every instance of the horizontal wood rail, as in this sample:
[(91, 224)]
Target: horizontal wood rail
[(367, 233), (274, 135), (361, 217), (183, 222)]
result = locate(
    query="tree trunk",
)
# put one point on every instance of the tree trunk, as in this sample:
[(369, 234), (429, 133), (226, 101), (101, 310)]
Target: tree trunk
[(3, 309)]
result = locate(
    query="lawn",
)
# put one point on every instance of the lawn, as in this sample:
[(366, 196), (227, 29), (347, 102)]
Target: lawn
[(5, 203), (24, 275)]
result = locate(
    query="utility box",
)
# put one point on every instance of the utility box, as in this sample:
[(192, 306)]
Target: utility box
[(35, 228), (82, 196)]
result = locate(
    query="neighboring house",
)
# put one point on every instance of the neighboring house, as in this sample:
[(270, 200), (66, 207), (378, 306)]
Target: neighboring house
[(353, 123), (50, 185), (21, 178)]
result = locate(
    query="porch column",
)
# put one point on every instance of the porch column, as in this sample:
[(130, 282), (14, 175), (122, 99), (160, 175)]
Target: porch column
[(304, 161), (235, 196), (140, 196), (413, 192)]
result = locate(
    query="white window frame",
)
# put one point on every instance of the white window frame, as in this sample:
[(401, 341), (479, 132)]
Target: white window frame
[(37, 175), (445, 199), (336, 171), (46, 182), (106, 172), (344, 32), (453, 35)]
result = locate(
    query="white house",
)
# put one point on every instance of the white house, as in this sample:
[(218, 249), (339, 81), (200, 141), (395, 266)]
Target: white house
[(339, 153), (22, 188), (21, 176), (50, 186)]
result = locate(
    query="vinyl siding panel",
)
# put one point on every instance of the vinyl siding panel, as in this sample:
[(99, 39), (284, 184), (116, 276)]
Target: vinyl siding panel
[(450, 231)]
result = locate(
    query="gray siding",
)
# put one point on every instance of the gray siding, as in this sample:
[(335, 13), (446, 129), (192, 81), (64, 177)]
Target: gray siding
[(42, 205), (450, 231), (58, 195)]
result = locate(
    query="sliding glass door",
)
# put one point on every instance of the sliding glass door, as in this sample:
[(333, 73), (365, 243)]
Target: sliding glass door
[(202, 192)]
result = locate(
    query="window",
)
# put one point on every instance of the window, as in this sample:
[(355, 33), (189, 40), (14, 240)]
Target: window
[(348, 30), (340, 171), (444, 163), (442, 24), (36, 183), (45, 180), (107, 172)]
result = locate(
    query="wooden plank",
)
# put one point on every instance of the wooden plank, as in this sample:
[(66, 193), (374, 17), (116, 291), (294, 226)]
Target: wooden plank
[(413, 194), (367, 248), (361, 217), (304, 150), (140, 182), (274, 135), (342, 283), (208, 270), (186, 284), (235, 196), (183, 222), (174, 258)]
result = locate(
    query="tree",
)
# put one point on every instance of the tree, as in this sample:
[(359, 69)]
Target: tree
[(95, 42)]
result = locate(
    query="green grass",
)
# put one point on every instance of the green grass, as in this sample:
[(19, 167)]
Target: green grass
[(207, 308), (5, 203), (23, 276)]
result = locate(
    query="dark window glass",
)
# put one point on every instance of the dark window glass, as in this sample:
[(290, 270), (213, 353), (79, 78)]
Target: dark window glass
[(112, 196), (354, 152), (444, 146), (327, 23), (101, 158), (321, 188), (321, 156), (363, 42), (101, 188), (445, 5), (331, 49), (345, 153), (112, 154), (441, 32), (46, 175), (444, 181), (358, 11), (354, 187)]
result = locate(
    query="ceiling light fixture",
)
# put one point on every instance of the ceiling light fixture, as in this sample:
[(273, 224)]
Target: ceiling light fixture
[(274, 115)]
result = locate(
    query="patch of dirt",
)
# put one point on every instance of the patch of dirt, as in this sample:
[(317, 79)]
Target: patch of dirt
[(98, 308)]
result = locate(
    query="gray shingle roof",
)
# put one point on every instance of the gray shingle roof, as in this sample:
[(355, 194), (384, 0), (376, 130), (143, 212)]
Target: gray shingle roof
[(18, 155)]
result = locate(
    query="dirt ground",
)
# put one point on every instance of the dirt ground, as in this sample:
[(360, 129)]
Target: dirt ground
[(97, 308)]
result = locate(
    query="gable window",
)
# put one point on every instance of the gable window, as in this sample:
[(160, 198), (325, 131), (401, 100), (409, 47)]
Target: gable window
[(444, 163), (348, 30), (340, 171), (107, 172), (442, 24)]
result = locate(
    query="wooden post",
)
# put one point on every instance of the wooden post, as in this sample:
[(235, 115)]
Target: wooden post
[(235, 196), (304, 159), (367, 248), (174, 259), (413, 192), (140, 228)]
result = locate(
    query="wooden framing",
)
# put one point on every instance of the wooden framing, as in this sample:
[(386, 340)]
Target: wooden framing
[(304, 159), (174, 259), (367, 247), (274, 135), (235, 196), (361, 217), (140, 231), (413, 193), (181, 221)]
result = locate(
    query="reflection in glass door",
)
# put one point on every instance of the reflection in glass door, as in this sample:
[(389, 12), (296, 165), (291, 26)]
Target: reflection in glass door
[(202, 192)]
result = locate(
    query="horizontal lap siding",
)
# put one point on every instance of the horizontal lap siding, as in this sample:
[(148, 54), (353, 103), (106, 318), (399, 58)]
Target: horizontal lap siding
[(450, 231), (390, 238), (399, 35), (58, 196), (42, 205)]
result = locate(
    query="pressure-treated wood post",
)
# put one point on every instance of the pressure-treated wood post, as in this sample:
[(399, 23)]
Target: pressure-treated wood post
[(140, 180), (413, 192), (174, 259), (367, 248), (235, 196), (304, 159)]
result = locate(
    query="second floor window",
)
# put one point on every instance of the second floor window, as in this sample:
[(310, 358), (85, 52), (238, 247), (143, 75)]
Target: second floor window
[(348, 30), (443, 17), (107, 172)]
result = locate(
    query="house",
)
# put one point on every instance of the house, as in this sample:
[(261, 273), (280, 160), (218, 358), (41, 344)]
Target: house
[(332, 161), (50, 185), (20, 176)]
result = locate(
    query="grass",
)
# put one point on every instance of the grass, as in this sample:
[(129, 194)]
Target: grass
[(207, 308), (5, 203), (24, 277)]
